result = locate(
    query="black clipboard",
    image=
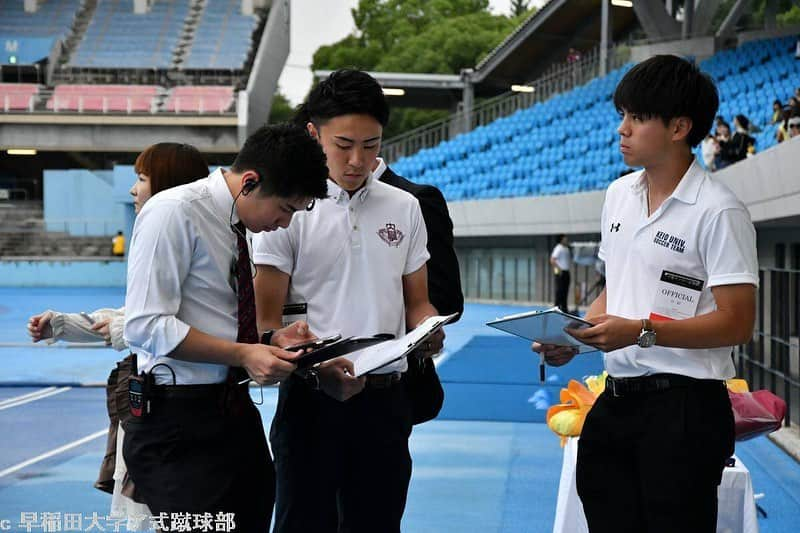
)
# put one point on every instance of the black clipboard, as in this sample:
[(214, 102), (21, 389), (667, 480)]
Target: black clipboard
[(339, 348)]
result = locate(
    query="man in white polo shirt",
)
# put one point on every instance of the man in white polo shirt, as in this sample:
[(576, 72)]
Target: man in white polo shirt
[(356, 264), (682, 275)]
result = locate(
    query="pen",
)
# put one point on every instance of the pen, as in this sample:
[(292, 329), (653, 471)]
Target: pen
[(541, 368)]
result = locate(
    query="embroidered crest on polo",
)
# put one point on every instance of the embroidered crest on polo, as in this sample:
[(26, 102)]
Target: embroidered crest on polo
[(391, 235)]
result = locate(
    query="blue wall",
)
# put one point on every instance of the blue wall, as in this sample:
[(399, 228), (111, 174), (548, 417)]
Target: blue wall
[(94, 203), (81, 202), (110, 273), (26, 50)]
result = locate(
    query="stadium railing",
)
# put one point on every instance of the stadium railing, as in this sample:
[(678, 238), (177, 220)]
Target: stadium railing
[(559, 78), (771, 360)]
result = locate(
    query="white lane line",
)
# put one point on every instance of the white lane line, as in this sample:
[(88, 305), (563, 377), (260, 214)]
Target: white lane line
[(23, 396), (34, 398), (51, 453)]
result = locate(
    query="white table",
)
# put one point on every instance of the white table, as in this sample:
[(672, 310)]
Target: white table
[(736, 511)]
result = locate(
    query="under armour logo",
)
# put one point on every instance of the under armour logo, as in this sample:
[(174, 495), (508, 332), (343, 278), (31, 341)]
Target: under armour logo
[(615, 227)]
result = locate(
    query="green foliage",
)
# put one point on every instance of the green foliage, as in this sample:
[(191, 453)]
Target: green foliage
[(281, 110), (790, 17), (519, 7), (447, 48), (430, 36), (788, 14), (418, 36)]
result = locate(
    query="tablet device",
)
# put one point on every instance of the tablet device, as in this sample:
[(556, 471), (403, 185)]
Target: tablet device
[(545, 327)]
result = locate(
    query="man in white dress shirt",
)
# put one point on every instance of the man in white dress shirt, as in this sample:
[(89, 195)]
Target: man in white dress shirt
[(357, 264), (681, 274), (560, 261), (196, 444)]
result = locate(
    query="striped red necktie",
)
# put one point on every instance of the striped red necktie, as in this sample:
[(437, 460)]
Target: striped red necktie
[(248, 332)]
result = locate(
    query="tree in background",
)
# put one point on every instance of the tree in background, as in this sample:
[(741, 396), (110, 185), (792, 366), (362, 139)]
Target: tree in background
[(281, 110), (519, 7), (753, 18), (417, 36)]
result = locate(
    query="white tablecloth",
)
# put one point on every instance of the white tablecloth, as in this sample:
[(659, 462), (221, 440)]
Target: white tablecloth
[(736, 512)]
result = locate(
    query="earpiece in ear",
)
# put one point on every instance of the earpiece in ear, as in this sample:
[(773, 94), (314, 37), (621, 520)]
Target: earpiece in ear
[(248, 186)]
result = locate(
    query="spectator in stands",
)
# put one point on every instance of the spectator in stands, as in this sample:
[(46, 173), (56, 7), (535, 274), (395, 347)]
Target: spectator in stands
[(723, 137), (720, 123), (794, 104), (159, 167), (560, 262), (794, 126), (655, 443), (783, 126), (741, 144), (709, 150), (573, 56), (118, 245), (777, 111)]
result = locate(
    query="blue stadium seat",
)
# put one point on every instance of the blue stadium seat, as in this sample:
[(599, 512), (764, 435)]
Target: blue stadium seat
[(569, 143)]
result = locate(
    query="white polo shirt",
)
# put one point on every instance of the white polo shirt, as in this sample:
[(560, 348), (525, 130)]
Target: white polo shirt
[(665, 265), (562, 256), (347, 258)]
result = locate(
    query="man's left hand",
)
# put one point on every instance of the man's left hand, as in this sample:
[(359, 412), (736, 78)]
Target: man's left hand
[(432, 345), (609, 332), (295, 333)]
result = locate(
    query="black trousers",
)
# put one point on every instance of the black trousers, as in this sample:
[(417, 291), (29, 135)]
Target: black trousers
[(651, 462), (562, 290), (203, 455), (341, 467)]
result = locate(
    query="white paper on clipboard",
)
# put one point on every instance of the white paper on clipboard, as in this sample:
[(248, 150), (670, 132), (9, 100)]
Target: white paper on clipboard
[(545, 327), (380, 355)]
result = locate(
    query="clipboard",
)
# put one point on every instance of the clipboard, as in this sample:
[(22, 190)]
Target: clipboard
[(377, 356), (545, 327), (339, 348)]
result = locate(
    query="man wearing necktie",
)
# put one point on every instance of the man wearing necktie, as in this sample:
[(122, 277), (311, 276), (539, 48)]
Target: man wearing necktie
[(197, 450)]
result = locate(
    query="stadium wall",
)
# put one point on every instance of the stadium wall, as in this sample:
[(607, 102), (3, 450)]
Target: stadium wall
[(63, 272), (700, 48), (499, 242), (86, 203)]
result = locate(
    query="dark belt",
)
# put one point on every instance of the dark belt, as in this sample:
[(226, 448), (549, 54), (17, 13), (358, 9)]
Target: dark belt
[(619, 387), (195, 397), (382, 381), (188, 392)]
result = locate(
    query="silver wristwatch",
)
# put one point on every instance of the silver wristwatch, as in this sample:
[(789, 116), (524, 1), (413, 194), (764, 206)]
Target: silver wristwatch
[(647, 337)]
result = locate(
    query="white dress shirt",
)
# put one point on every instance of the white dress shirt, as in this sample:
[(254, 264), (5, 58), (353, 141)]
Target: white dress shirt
[(347, 258), (563, 256), (182, 274), (701, 231)]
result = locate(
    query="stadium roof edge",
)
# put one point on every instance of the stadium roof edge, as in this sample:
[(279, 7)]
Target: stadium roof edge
[(405, 80), (528, 26)]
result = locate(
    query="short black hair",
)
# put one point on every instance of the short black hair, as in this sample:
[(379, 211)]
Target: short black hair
[(344, 92), (743, 121), (289, 162), (667, 86)]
